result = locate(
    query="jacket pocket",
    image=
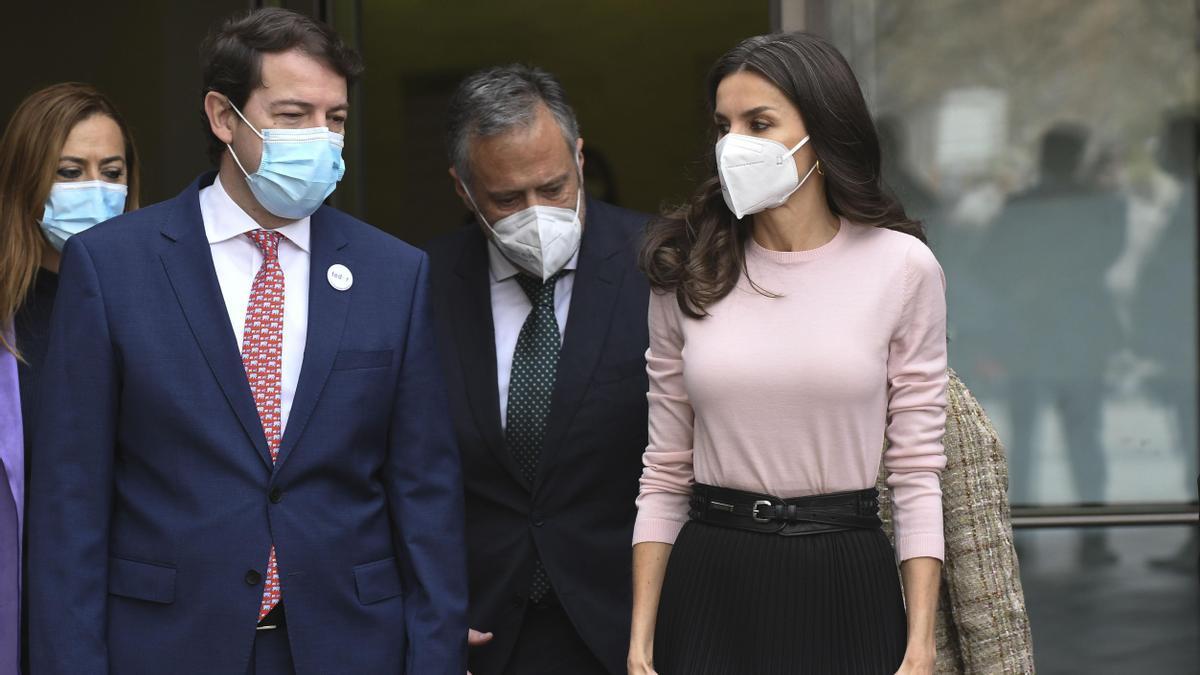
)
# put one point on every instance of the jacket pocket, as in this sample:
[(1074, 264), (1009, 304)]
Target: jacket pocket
[(141, 581), (352, 360), (377, 581)]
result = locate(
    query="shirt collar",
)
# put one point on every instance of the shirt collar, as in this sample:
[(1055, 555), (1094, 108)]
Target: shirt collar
[(227, 220), (503, 269)]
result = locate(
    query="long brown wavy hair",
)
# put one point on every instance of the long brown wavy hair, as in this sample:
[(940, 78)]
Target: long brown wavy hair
[(29, 155), (696, 251)]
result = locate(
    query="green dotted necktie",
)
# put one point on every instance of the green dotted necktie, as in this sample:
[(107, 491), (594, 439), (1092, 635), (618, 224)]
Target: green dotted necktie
[(530, 387)]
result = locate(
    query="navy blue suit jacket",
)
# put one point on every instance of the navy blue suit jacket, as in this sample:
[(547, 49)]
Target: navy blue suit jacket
[(578, 514), (155, 500)]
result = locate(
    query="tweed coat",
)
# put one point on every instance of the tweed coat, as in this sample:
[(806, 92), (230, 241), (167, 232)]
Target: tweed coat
[(982, 625)]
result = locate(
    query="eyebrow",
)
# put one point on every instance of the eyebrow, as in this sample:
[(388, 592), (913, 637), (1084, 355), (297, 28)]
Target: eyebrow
[(80, 160), (749, 113), (341, 107), (553, 182), (757, 111)]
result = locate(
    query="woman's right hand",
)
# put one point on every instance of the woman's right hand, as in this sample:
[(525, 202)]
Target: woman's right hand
[(640, 662)]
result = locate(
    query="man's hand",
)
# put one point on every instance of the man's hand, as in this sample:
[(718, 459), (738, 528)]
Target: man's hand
[(477, 639)]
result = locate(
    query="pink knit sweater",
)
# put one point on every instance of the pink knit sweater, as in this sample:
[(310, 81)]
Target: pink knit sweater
[(793, 395)]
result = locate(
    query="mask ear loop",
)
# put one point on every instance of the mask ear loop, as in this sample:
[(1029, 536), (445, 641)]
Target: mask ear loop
[(475, 206), (815, 167), (579, 192), (801, 144), (256, 133)]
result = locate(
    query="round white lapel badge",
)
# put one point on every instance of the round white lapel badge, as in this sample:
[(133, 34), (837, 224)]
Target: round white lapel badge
[(339, 277)]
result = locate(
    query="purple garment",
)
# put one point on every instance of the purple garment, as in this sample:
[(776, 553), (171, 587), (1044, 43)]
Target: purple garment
[(12, 499)]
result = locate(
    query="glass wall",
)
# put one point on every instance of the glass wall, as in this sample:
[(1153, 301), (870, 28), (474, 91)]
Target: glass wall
[(1137, 614), (1050, 149)]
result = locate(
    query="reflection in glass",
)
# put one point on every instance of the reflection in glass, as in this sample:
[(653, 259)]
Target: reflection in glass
[(1050, 148), (1134, 616)]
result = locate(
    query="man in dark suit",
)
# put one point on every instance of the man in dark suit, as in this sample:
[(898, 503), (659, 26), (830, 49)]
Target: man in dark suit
[(245, 461), (541, 315)]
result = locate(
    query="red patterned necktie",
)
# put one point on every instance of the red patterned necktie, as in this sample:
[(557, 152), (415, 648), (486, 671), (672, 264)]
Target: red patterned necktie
[(262, 355)]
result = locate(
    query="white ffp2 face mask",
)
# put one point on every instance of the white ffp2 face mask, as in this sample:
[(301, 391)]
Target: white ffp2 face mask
[(540, 239), (757, 173)]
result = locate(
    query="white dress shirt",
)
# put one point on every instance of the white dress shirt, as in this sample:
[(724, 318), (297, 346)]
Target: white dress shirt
[(510, 307), (237, 259)]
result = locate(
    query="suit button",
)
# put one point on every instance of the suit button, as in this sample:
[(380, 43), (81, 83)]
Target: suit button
[(253, 578), (538, 520), (275, 496)]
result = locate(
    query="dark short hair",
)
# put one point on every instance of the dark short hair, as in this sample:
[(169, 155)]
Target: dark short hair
[(231, 55), (497, 100)]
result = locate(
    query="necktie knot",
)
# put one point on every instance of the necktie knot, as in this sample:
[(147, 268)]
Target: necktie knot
[(540, 293), (267, 241)]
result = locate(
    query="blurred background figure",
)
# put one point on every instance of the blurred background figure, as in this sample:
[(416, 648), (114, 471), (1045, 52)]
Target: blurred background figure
[(67, 163), (1055, 325), (1163, 327)]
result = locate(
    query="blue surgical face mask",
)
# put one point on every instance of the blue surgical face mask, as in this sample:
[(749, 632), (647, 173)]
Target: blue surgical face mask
[(72, 208), (298, 170)]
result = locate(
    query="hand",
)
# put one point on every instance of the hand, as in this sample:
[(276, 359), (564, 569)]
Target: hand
[(477, 639), (917, 662), (640, 664)]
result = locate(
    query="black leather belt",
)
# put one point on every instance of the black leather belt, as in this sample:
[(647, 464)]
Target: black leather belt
[(814, 514), (276, 618)]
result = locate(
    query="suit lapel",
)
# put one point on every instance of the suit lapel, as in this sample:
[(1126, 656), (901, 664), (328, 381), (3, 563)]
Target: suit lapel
[(597, 280), (475, 342), (327, 308), (188, 263)]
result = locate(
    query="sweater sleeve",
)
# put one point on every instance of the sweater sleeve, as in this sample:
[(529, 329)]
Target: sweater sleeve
[(666, 483), (917, 380)]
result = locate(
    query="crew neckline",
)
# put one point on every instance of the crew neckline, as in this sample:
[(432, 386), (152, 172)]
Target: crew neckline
[(757, 250)]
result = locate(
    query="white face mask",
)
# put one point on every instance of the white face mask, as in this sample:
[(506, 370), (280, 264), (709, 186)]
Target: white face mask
[(757, 173), (540, 239)]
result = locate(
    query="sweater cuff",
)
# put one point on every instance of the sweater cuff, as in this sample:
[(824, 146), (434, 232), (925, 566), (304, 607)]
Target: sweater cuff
[(921, 545), (663, 530)]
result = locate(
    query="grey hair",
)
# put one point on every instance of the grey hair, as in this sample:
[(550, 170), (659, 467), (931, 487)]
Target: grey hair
[(494, 101)]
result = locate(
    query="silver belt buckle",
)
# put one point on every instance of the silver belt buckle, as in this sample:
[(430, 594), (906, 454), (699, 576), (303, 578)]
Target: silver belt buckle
[(754, 511)]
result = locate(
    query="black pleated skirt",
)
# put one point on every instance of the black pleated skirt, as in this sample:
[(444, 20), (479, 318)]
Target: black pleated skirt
[(744, 603)]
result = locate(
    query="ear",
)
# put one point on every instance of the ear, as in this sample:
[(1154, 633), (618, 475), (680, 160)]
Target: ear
[(221, 118), (579, 152), (461, 190)]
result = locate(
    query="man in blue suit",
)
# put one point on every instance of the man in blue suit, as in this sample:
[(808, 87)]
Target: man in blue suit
[(247, 463)]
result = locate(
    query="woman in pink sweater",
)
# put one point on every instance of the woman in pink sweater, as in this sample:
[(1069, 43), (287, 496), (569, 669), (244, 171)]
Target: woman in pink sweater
[(798, 321)]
